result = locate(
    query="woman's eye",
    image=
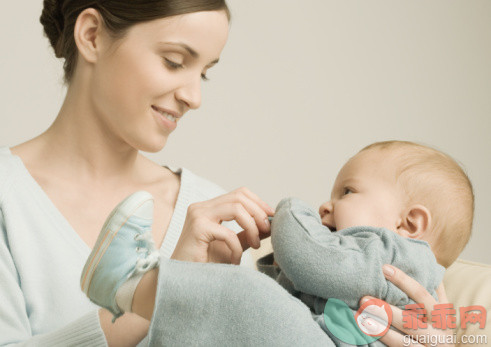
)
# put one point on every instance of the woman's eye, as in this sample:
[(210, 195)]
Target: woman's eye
[(173, 65)]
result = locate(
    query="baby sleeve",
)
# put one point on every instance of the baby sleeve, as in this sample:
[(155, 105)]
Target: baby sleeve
[(347, 264)]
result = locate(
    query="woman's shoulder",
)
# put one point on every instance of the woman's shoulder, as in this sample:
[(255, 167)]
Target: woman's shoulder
[(201, 186), (204, 184), (194, 187), (189, 182)]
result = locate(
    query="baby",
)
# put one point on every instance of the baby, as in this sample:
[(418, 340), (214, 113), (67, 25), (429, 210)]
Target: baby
[(394, 202)]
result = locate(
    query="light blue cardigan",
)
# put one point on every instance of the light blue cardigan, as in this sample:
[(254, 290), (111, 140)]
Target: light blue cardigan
[(41, 259)]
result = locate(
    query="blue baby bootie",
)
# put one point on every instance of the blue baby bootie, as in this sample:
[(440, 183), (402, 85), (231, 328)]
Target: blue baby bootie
[(124, 248)]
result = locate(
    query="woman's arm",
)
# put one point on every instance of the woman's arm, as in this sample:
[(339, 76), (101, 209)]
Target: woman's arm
[(127, 330), (15, 325), (420, 295), (203, 239)]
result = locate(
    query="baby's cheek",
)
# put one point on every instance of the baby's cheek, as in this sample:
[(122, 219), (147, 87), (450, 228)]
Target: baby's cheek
[(352, 216)]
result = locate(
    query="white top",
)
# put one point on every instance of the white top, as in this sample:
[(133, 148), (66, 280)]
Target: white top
[(41, 259)]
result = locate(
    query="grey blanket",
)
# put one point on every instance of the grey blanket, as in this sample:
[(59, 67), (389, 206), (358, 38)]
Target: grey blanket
[(219, 304), (225, 305)]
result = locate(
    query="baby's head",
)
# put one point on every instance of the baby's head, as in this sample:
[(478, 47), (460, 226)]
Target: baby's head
[(413, 190)]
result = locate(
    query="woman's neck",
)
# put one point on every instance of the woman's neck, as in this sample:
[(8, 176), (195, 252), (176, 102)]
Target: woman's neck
[(79, 143)]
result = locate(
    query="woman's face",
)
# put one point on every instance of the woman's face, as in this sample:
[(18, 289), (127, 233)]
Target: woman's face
[(148, 80)]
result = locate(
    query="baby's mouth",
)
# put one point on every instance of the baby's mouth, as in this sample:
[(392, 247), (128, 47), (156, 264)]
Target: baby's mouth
[(331, 228)]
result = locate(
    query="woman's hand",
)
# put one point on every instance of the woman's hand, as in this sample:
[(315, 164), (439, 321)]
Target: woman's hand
[(204, 239), (414, 337)]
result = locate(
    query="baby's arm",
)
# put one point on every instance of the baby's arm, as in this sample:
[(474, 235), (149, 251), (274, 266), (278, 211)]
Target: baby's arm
[(348, 264)]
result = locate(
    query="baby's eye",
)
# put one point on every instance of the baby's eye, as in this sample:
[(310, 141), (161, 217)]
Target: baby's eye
[(347, 191)]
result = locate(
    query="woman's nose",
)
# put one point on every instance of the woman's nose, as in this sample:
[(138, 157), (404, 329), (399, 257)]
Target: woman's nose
[(190, 94)]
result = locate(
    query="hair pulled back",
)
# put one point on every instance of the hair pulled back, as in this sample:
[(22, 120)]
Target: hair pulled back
[(59, 17)]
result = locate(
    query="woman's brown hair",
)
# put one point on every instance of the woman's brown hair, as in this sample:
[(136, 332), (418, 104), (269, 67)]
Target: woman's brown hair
[(59, 16)]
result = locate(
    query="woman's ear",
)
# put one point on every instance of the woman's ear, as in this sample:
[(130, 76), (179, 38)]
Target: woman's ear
[(415, 222), (87, 34)]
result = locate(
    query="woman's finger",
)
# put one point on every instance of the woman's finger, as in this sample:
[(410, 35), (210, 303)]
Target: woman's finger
[(236, 211), (238, 196), (397, 318), (398, 323), (252, 206), (442, 295), (242, 236), (411, 287), (244, 242), (217, 232), (268, 209), (394, 339)]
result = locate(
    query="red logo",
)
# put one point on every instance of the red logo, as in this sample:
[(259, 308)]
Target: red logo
[(374, 317)]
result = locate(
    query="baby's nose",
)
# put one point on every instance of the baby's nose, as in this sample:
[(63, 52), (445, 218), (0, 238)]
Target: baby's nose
[(327, 216), (325, 209)]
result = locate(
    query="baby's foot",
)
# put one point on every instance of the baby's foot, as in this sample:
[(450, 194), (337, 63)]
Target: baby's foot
[(123, 251)]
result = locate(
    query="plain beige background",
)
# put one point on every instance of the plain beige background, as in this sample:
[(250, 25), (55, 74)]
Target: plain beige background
[(301, 87)]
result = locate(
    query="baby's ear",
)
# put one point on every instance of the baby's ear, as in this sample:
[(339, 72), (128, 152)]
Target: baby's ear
[(415, 223)]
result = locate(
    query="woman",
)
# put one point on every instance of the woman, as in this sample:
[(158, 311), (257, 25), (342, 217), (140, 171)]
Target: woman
[(133, 69)]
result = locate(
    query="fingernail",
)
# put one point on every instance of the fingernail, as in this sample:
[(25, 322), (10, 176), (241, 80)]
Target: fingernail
[(388, 270), (266, 222)]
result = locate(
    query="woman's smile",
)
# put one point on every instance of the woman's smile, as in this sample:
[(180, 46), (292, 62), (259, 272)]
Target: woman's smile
[(134, 74), (166, 117)]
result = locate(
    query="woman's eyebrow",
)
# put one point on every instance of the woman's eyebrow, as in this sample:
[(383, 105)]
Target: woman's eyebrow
[(191, 51)]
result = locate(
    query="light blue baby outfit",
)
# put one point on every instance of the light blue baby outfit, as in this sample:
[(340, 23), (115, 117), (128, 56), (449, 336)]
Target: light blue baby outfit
[(316, 264)]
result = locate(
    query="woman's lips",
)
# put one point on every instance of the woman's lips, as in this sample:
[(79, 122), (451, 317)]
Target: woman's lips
[(163, 119)]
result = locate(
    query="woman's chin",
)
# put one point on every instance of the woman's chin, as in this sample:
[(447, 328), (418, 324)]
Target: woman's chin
[(152, 147)]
